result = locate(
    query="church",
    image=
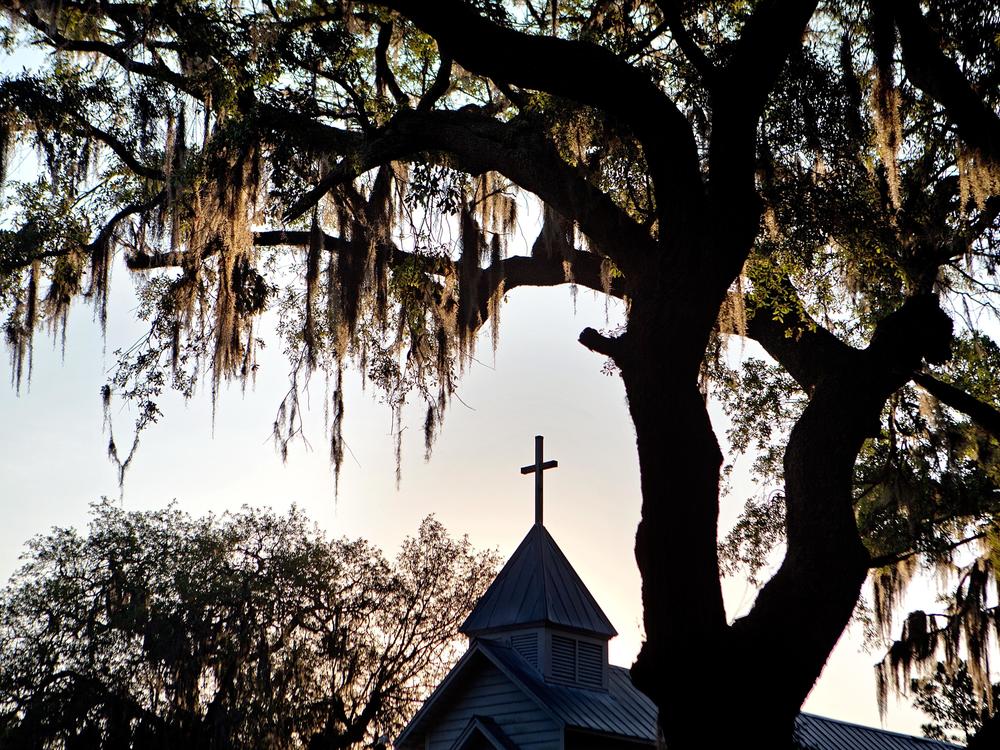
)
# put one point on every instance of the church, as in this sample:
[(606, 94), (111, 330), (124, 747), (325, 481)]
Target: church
[(536, 674)]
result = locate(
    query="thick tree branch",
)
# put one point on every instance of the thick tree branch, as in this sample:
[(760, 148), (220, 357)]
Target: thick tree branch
[(512, 272), (980, 412), (809, 352), (596, 341), (695, 54), (799, 344), (442, 80), (383, 73), (307, 130), (475, 144), (768, 38), (938, 76), (577, 70), (810, 598)]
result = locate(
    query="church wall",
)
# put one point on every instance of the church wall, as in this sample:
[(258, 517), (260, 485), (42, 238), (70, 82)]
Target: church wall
[(489, 693), (588, 741)]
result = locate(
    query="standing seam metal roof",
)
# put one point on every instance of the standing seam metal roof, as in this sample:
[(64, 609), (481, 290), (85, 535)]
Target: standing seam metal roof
[(623, 711), (538, 585), (627, 712), (819, 733)]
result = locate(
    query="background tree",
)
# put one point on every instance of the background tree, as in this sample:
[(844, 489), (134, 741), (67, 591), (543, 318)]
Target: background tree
[(818, 177), (156, 629), (949, 700)]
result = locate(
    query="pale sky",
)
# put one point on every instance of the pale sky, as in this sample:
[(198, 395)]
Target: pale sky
[(53, 462)]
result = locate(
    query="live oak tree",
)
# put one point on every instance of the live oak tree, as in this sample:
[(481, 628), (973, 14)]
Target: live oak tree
[(819, 177), (156, 629)]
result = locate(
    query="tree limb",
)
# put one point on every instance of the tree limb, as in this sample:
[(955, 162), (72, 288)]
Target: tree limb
[(980, 412), (442, 80), (158, 71), (513, 272), (938, 76), (773, 30), (307, 130), (598, 342), (584, 72), (26, 90), (695, 54), (812, 595), (383, 73), (882, 560), (475, 144), (104, 235), (770, 34), (799, 344), (988, 736)]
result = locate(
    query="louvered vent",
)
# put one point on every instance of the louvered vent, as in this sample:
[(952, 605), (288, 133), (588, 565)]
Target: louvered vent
[(563, 658), (526, 644), (590, 660)]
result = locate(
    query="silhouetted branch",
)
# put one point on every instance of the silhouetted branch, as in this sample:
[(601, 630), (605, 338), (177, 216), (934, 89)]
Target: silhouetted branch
[(598, 342), (439, 87), (476, 143), (882, 560), (695, 54), (157, 71), (578, 70), (383, 73), (980, 412), (940, 77)]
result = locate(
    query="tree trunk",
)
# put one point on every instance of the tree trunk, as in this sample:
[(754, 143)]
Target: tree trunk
[(746, 682), (783, 644), (680, 665)]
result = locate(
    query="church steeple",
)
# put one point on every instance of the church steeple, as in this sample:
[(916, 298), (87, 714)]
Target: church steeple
[(538, 586), (539, 606)]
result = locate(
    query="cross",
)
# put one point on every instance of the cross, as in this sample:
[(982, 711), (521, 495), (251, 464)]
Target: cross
[(537, 468)]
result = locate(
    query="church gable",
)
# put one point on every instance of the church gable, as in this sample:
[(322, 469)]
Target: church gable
[(481, 689)]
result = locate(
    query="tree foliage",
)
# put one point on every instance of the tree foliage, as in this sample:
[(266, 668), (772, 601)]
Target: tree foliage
[(820, 177), (948, 698), (156, 629)]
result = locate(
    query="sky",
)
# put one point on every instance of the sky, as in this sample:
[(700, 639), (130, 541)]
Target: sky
[(53, 461)]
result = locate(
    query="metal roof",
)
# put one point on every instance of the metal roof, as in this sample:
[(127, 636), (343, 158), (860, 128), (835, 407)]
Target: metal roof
[(819, 733), (625, 712), (622, 711), (537, 586)]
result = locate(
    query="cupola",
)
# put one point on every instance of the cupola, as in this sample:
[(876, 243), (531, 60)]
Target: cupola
[(540, 607)]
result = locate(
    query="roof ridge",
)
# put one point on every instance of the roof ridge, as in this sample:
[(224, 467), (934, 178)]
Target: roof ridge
[(540, 552)]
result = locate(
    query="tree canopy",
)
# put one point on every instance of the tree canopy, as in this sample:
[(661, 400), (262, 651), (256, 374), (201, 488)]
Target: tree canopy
[(819, 177), (156, 629)]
